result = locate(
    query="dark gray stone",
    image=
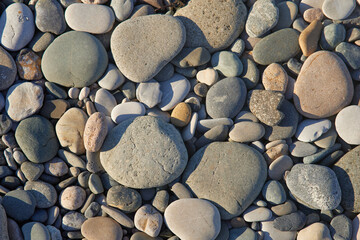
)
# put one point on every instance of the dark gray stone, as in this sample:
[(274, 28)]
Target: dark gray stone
[(226, 98), (44, 193), (49, 16), (332, 35), (19, 205), (341, 228), (291, 222), (350, 54), (37, 139), (123, 198)]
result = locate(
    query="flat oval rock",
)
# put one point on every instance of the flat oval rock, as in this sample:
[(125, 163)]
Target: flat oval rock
[(17, 26), (74, 59), (347, 124), (209, 178), (212, 24), (279, 46), (91, 18), (323, 77), (314, 186), (36, 138), (173, 91), (131, 49), (137, 153), (127, 110)]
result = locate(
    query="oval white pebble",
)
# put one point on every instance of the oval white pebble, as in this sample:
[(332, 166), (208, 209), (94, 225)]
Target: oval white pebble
[(188, 131), (347, 124), (112, 78), (174, 91), (127, 110)]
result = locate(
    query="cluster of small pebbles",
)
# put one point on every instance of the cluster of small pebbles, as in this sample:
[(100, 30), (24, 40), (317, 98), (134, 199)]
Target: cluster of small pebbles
[(176, 119)]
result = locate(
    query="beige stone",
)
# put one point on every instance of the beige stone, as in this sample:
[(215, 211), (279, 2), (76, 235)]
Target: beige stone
[(181, 114), (70, 130), (209, 76), (309, 38), (101, 228), (323, 87), (72, 198), (148, 220), (212, 24), (275, 78), (275, 152), (95, 132), (316, 231), (313, 14)]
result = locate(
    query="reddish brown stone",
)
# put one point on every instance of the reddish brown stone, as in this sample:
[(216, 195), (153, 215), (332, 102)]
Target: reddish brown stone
[(28, 65)]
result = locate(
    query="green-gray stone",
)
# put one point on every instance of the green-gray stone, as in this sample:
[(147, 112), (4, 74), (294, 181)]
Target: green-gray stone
[(229, 174), (37, 139), (55, 90), (35, 230), (227, 63), (250, 74), (19, 205), (279, 46), (350, 54), (44, 193), (332, 35), (74, 59)]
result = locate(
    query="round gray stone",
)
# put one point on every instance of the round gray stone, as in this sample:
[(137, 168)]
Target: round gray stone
[(341, 227), (72, 221), (233, 186), (49, 16), (226, 98), (250, 74), (144, 152), (36, 138), (227, 63), (44, 193), (19, 205), (314, 186), (74, 59), (302, 149), (274, 192), (350, 54), (122, 8)]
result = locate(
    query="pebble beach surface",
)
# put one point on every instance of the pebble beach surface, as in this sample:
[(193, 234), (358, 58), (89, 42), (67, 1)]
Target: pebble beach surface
[(179, 119)]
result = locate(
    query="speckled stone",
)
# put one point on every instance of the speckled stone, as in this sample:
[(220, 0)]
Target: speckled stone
[(212, 24), (49, 16), (199, 176), (130, 55), (265, 106), (257, 23), (315, 186)]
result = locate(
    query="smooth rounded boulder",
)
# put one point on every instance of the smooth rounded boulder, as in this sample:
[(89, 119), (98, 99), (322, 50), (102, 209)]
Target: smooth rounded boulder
[(323, 87), (220, 168), (37, 139), (144, 152), (74, 59), (141, 49)]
